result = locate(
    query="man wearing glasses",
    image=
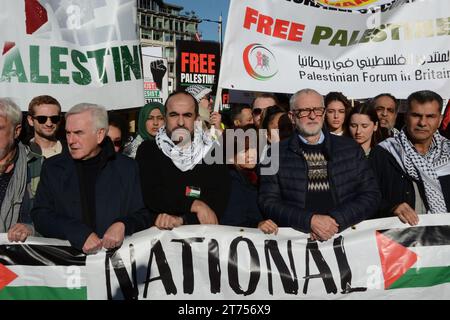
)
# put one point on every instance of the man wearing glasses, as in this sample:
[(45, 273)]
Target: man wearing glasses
[(44, 115), (324, 183)]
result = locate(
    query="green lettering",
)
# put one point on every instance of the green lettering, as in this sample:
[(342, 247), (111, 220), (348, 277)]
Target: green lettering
[(367, 35), (57, 65), (13, 67), (339, 38), (379, 35), (129, 62), (443, 26), (354, 38), (321, 33), (117, 64), (99, 56), (35, 77), (83, 76)]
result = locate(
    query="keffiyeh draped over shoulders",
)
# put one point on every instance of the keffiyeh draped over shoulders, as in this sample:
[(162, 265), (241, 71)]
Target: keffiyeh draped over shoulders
[(425, 168), (185, 158)]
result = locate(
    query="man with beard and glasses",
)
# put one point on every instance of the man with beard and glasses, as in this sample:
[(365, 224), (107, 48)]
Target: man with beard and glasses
[(19, 175), (324, 183), (177, 186), (44, 115)]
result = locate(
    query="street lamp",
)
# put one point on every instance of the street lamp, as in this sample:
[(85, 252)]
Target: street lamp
[(219, 22)]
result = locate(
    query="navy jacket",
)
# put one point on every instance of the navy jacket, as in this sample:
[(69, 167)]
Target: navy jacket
[(242, 209), (57, 208), (353, 186)]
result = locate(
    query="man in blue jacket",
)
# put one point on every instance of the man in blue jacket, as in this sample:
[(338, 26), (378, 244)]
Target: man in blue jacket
[(324, 183), (90, 196)]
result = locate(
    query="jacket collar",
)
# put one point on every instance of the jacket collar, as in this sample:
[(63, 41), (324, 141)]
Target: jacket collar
[(295, 146)]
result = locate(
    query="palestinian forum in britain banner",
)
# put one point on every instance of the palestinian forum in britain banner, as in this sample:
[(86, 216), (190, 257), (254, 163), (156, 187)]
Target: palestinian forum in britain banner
[(71, 49), (377, 259), (348, 46)]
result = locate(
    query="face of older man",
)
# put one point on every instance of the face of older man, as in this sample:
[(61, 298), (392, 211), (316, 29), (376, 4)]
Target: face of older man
[(422, 121), (386, 112), (308, 114), (180, 117), (7, 135), (83, 138)]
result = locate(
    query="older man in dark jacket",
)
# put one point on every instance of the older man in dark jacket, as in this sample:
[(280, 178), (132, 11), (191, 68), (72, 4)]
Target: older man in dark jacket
[(324, 183), (90, 196)]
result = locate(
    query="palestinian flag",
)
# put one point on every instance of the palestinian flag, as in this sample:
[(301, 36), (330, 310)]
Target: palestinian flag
[(193, 192), (414, 257), (41, 272)]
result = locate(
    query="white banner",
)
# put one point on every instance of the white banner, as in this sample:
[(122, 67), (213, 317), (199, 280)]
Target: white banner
[(285, 46), (76, 51), (377, 259)]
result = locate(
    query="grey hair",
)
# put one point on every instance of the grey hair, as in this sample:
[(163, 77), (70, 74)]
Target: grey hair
[(98, 113), (299, 93), (10, 110)]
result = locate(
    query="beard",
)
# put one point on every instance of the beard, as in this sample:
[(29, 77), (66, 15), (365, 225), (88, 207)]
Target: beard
[(45, 135), (181, 136), (309, 132)]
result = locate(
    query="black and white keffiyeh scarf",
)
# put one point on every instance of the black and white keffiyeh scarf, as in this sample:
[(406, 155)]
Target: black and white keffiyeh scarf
[(187, 157), (425, 168)]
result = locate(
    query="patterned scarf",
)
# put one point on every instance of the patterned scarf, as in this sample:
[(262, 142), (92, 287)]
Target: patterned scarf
[(426, 168), (185, 158)]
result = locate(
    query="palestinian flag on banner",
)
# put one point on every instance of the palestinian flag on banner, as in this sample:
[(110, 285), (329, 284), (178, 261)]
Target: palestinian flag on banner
[(41, 272), (414, 257)]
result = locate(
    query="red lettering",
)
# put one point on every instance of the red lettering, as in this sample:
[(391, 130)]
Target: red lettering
[(264, 24), (203, 63), (225, 98), (278, 28), (211, 64), (193, 63), (251, 16), (184, 61), (296, 32), (281, 28)]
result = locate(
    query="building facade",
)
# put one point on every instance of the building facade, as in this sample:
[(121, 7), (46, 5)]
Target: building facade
[(161, 24)]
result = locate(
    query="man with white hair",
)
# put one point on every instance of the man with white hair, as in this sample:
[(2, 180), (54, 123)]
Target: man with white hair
[(91, 195), (19, 175), (324, 183)]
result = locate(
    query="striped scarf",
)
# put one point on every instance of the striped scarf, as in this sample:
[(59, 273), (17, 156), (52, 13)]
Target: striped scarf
[(425, 168)]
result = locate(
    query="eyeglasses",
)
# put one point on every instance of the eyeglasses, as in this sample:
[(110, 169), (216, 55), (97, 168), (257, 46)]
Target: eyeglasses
[(257, 111), (43, 119), (305, 112)]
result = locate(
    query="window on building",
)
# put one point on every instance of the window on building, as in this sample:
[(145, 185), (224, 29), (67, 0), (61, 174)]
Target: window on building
[(168, 37), (157, 36)]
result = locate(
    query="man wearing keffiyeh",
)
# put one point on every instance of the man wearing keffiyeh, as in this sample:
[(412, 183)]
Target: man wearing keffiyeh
[(413, 167), (178, 186)]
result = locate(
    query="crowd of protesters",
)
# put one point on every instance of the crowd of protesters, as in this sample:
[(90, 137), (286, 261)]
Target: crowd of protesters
[(338, 163)]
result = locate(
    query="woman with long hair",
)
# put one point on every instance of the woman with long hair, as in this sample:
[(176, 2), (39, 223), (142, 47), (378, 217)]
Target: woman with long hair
[(364, 127), (337, 108)]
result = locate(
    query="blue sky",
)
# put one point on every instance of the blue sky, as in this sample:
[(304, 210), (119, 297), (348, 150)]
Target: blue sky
[(206, 9)]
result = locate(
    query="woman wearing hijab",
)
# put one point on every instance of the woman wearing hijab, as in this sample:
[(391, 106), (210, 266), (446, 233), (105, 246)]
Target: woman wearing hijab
[(151, 118)]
